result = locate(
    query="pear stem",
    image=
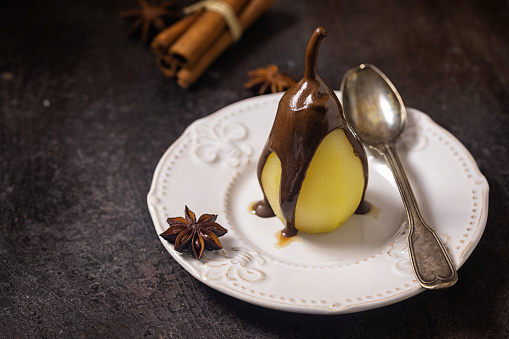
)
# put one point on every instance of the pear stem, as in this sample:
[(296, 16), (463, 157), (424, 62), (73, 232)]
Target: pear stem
[(312, 52)]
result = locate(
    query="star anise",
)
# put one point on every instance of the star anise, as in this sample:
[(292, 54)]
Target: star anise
[(187, 233), (150, 15), (268, 76)]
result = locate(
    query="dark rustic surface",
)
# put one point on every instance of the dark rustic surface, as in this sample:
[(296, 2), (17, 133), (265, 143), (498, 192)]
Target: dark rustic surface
[(85, 116)]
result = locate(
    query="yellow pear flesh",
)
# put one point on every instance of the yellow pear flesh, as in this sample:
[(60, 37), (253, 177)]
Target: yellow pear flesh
[(332, 188)]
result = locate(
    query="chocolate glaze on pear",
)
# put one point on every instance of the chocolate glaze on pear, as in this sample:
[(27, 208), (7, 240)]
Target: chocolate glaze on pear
[(306, 114)]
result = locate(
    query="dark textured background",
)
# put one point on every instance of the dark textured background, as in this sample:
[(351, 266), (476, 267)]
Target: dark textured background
[(85, 116)]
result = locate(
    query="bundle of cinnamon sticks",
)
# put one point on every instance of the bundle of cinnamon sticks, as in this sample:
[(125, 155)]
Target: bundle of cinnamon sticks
[(188, 47)]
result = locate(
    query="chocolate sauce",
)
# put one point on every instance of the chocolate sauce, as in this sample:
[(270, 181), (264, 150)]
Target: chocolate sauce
[(306, 114)]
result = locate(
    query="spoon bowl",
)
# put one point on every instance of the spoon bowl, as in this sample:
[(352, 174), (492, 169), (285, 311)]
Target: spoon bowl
[(377, 114), (367, 90)]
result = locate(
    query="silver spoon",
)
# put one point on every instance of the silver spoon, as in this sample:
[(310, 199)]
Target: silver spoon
[(376, 112)]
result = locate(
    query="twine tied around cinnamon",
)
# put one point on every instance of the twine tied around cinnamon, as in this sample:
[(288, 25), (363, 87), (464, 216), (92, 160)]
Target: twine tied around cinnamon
[(226, 11)]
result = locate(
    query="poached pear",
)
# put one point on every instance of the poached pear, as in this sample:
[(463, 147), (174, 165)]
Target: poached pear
[(313, 169)]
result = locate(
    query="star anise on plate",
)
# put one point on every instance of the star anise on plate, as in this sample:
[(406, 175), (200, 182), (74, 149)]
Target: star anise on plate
[(187, 233), (268, 78), (150, 16)]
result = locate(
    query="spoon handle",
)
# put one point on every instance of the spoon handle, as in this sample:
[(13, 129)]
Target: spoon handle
[(432, 265)]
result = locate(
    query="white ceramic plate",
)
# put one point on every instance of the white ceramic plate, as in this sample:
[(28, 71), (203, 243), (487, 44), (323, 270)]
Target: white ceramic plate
[(362, 265)]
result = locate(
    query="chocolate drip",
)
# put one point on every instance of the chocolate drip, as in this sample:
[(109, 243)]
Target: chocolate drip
[(306, 114)]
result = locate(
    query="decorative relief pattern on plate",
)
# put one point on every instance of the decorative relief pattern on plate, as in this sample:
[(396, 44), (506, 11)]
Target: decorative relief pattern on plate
[(413, 139), (237, 264), (221, 142), (399, 251)]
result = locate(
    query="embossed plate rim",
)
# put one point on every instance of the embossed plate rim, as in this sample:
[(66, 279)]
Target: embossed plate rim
[(240, 265)]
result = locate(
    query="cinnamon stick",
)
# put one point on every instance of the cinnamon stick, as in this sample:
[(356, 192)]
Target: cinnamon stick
[(162, 42), (168, 65), (200, 36), (191, 72)]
